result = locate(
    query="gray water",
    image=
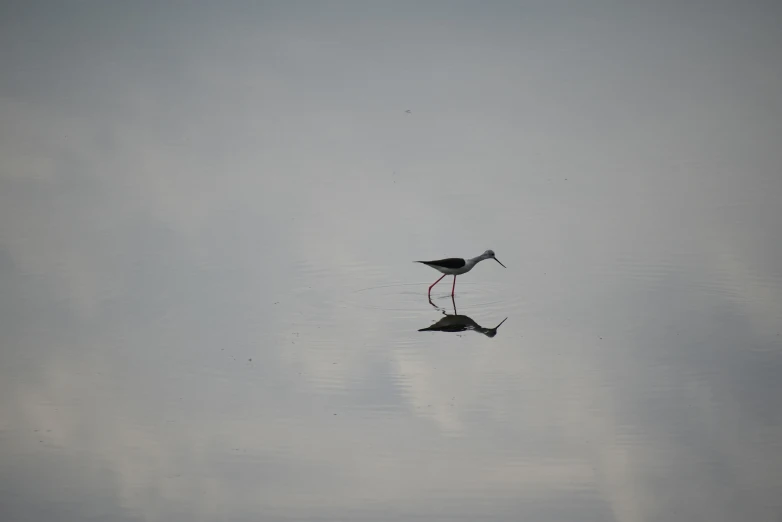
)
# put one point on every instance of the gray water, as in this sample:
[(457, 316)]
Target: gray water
[(209, 309)]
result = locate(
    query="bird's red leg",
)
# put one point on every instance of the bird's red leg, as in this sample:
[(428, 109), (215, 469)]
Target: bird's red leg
[(430, 288), (454, 286)]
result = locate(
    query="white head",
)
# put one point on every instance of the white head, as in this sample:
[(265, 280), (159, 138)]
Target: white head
[(491, 332), (489, 254)]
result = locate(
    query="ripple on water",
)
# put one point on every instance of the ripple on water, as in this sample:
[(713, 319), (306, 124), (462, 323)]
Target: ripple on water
[(410, 299)]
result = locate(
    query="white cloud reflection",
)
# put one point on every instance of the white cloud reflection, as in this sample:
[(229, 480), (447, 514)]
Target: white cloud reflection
[(183, 191)]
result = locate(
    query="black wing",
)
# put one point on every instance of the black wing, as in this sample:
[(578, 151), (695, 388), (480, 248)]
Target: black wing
[(451, 262)]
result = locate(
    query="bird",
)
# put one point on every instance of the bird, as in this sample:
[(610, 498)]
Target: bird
[(456, 266), (455, 323), (461, 323)]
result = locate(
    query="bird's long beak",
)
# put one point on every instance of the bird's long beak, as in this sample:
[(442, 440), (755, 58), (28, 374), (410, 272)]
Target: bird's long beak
[(503, 266), (500, 324)]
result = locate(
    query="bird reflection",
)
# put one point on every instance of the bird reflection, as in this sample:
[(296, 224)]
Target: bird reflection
[(459, 323)]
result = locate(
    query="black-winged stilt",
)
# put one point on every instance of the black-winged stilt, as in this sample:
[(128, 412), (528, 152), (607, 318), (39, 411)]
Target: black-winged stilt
[(456, 266), (461, 323)]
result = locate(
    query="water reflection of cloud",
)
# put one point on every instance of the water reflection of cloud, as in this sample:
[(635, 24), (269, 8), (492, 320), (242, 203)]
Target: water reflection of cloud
[(145, 245)]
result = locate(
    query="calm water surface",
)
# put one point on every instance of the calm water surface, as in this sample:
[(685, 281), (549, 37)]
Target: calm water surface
[(209, 309)]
